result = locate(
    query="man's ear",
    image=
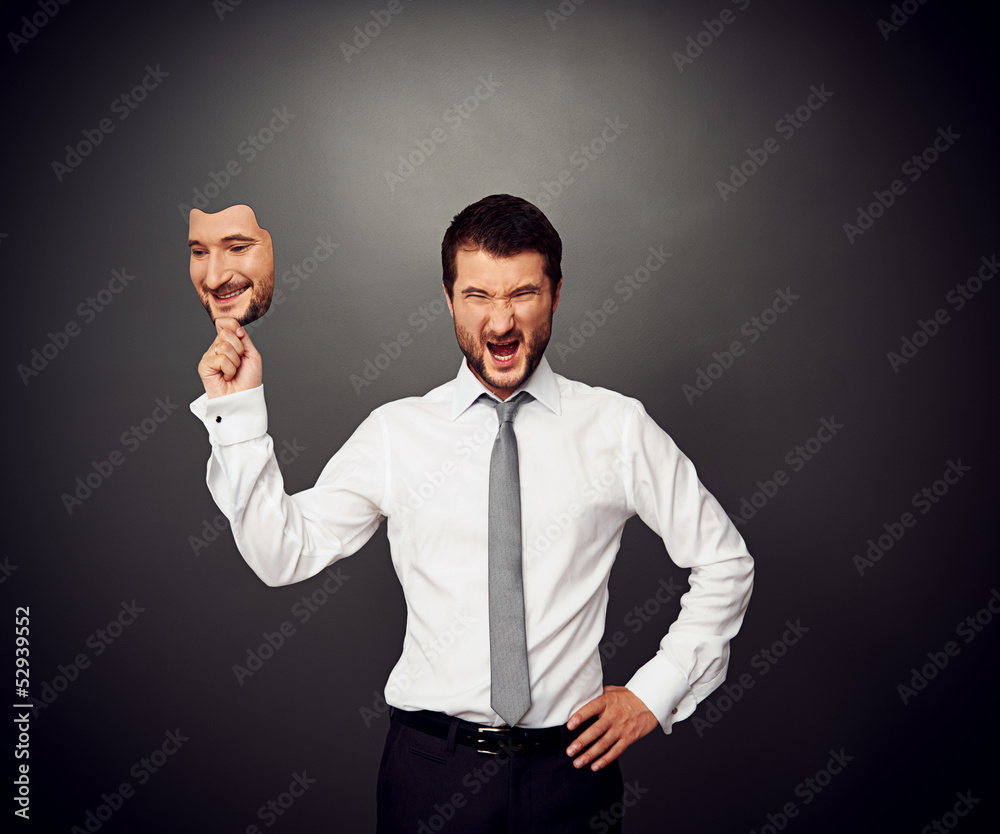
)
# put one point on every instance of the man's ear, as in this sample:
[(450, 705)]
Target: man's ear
[(447, 298), (555, 298)]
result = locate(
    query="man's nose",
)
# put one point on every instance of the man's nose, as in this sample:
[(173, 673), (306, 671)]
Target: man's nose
[(218, 274), (501, 316)]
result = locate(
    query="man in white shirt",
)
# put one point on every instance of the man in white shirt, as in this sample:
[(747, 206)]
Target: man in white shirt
[(589, 460)]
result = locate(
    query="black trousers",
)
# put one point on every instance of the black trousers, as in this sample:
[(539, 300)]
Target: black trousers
[(428, 785)]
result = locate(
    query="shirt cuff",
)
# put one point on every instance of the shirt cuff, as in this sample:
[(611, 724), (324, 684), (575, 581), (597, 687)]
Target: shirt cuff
[(233, 418), (662, 688)]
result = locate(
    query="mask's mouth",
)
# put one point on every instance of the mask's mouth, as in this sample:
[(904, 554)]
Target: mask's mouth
[(230, 295), (503, 353)]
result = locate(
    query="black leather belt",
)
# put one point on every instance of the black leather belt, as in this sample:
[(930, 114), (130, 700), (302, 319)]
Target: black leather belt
[(514, 741)]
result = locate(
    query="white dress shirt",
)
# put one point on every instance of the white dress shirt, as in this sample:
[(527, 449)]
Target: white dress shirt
[(589, 460)]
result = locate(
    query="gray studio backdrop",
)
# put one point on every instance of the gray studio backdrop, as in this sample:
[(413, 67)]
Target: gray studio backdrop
[(780, 229)]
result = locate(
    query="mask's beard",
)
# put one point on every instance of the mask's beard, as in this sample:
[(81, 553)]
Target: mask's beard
[(257, 308), (260, 301)]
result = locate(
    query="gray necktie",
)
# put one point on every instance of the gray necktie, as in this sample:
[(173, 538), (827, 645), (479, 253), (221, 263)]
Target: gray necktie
[(510, 695)]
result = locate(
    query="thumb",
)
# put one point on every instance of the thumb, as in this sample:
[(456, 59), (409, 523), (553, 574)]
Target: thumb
[(224, 323), (249, 350)]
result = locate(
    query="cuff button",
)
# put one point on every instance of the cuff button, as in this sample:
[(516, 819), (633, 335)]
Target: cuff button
[(218, 419)]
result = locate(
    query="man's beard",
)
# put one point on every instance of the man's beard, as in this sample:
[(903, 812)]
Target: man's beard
[(259, 304), (475, 350)]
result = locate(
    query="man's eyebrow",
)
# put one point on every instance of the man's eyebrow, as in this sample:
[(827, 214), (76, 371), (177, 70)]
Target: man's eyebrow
[(237, 236)]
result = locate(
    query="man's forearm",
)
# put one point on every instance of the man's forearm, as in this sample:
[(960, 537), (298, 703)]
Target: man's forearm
[(284, 538)]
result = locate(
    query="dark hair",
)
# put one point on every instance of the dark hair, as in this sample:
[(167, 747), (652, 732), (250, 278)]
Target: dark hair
[(502, 226)]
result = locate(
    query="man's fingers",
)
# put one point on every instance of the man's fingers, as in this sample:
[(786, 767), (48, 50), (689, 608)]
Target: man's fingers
[(599, 747), (591, 739), (221, 358), (217, 363), (228, 337), (610, 755), (233, 352), (237, 336), (228, 368), (224, 324), (595, 707), (588, 737)]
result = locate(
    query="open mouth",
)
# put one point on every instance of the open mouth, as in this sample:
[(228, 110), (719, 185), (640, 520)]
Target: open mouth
[(230, 296), (503, 353)]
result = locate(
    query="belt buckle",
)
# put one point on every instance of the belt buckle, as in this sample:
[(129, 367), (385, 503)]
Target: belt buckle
[(481, 738), (504, 736)]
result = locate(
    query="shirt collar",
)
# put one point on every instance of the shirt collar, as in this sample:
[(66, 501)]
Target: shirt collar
[(542, 385)]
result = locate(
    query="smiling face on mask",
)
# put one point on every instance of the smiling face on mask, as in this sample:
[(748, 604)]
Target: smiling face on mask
[(232, 263)]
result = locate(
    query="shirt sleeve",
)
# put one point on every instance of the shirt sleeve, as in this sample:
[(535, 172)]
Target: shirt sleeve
[(288, 538), (667, 495)]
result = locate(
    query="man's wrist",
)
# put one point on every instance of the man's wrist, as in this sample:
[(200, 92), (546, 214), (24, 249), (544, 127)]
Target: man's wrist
[(664, 691)]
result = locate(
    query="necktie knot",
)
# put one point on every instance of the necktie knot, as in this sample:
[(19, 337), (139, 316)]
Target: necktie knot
[(507, 409)]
